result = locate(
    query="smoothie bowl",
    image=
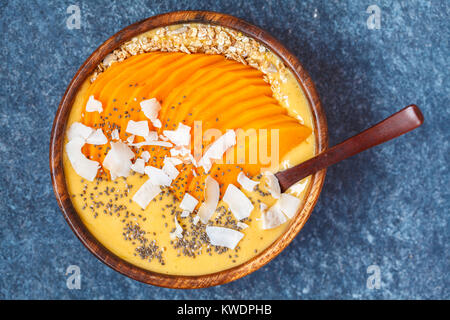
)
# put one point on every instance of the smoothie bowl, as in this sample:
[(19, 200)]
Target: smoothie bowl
[(165, 145)]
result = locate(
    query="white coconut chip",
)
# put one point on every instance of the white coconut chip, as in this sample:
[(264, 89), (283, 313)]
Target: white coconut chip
[(157, 176), (115, 134), (170, 170), (195, 220), (181, 136), (130, 139), (239, 204), (273, 217), (289, 204), (263, 207), (184, 214), (93, 105), (242, 225), (298, 187), (118, 160), (192, 160), (79, 130), (273, 185), (178, 233), (152, 136), (152, 143), (212, 194), (188, 203), (146, 193), (173, 160), (217, 149), (224, 237), (138, 128), (145, 155), (151, 108), (97, 137), (181, 152), (246, 182), (139, 166), (83, 166), (157, 123)]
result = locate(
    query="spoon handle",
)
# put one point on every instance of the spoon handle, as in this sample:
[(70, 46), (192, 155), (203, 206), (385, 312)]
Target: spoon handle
[(399, 123)]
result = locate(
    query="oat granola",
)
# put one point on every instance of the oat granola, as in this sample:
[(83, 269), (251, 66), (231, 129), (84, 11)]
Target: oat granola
[(208, 39)]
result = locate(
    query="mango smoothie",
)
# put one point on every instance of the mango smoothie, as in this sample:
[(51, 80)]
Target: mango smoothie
[(171, 147)]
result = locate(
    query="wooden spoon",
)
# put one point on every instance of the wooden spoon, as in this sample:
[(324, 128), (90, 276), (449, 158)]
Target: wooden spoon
[(399, 123)]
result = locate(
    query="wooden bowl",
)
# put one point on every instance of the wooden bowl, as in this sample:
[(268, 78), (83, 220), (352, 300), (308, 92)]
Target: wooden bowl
[(59, 126)]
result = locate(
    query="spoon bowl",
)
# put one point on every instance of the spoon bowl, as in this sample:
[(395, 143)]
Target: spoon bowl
[(59, 127), (392, 127)]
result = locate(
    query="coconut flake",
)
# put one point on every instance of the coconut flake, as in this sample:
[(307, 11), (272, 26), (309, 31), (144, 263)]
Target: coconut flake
[(118, 160), (178, 233), (151, 108), (184, 214), (152, 143), (188, 203), (130, 139), (183, 154), (157, 123), (157, 176), (242, 225), (195, 220), (146, 193), (273, 185), (181, 136), (239, 204), (246, 182), (289, 204), (180, 151), (170, 170), (139, 166), (273, 217), (298, 187), (97, 137), (152, 136), (84, 167), (224, 237), (145, 155), (173, 160), (212, 193), (217, 149), (79, 130), (138, 128), (93, 105), (263, 207), (115, 134)]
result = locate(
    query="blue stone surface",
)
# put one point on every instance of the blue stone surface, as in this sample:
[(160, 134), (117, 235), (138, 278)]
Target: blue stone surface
[(387, 207)]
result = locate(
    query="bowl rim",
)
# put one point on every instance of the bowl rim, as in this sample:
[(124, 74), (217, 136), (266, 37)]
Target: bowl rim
[(58, 132)]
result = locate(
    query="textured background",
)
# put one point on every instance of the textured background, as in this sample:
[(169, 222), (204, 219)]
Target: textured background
[(388, 206)]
